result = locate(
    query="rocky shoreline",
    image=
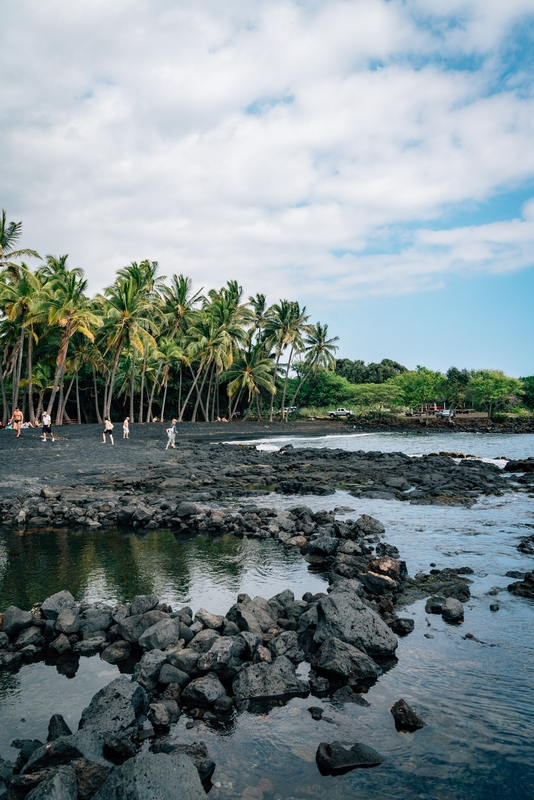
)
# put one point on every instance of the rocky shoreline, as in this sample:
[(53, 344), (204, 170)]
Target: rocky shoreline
[(180, 493), (212, 667)]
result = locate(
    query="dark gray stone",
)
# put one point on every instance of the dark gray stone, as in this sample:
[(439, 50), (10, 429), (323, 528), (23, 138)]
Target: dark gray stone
[(153, 776), (196, 751), (116, 652), (95, 619), (169, 674), (32, 635), (333, 758), (133, 627), (161, 635), (287, 644), (115, 708), (343, 661), (264, 680), (252, 615), (203, 691), (68, 620), (452, 610), (61, 785), (184, 660), (15, 620), (142, 603), (342, 615), (203, 641), (405, 717), (147, 670), (57, 727), (53, 605), (369, 525)]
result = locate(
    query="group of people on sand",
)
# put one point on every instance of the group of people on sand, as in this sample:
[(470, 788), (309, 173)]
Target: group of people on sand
[(17, 423), (108, 432)]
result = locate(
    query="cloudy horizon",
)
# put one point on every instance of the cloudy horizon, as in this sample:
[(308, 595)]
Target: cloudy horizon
[(364, 157)]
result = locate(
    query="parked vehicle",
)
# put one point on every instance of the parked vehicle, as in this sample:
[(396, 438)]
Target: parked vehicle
[(447, 413), (340, 412)]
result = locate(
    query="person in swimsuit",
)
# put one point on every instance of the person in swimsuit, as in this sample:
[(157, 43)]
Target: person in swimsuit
[(17, 419), (47, 426), (108, 431), (126, 428), (171, 433)]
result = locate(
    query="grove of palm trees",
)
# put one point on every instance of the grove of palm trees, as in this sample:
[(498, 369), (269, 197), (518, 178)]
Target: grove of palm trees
[(147, 346)]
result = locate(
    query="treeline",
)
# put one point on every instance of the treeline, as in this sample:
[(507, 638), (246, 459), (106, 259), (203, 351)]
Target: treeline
[(146, 346), (487, 390)]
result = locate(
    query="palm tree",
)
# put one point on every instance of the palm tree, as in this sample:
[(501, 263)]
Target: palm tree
[(284, 328), (320, 354), (10, 233), (128, 318), (17, 294), (171, 352), (63, 303), (144, 277), (249, 373)]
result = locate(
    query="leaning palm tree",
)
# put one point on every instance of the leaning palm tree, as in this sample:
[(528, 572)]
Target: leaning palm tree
[(10, 233), (319, 354)]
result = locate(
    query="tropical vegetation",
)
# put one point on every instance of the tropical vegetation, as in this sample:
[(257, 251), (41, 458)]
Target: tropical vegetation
[(150, 347)]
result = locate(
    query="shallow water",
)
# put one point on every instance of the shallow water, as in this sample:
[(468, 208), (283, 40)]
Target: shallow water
[(476, 697), (484, 445)]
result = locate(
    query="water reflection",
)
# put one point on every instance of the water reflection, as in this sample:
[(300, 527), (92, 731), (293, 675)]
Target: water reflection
[(111, 566)]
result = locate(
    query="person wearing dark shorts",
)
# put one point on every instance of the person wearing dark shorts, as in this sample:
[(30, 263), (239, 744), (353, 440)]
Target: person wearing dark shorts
[(47, 426), (108, 430)]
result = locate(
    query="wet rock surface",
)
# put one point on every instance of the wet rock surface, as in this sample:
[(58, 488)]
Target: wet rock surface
[(164, 494), (334, 758)]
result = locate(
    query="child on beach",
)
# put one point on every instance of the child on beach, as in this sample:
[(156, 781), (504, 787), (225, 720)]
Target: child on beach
[(126, 428), (108, 431), (171, 434)]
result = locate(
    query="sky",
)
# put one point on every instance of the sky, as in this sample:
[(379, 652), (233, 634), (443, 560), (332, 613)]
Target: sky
[(372, 159)]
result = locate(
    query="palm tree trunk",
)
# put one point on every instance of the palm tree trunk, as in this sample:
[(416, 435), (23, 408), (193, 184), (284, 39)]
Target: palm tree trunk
[(271, 408), (190, 392), (179, 389), (258, 405), (234, 409), (149, 410), (305, 378), (142, 385), (284, 415), (17, 368), (40, 405), (164, 399), (64, 415), (107, 408), (199, 398), (5, 410), (78, 408), (98, 417), (58, 383), (132, 387), (215, 393), (30, 376)]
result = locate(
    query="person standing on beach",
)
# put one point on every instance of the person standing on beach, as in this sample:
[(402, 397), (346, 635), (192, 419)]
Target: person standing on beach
[(108, 430), (17, 419), (126, 428), (47, 426), (171, 434)]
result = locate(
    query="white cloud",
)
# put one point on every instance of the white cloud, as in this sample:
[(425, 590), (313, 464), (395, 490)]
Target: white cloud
[(125, 135)]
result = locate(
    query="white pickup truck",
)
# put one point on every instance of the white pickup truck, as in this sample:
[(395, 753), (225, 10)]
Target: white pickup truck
[(339, 412)]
